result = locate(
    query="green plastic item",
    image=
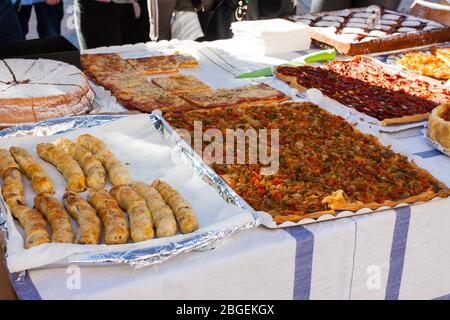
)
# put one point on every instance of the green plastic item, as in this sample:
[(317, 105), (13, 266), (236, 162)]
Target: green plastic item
[(323, 55)]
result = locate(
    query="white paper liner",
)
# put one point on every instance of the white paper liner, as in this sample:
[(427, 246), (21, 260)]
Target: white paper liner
[(104, 101)]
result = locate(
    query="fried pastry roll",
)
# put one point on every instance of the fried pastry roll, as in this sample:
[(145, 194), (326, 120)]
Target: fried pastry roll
[(12, 189), (187, 221), (141, 224), (117, 171), (162, 215), (92, 167), (113, 218), (7, 162), (40, 180), (58, 219), (33, 223), (65, 164), (85, 216)]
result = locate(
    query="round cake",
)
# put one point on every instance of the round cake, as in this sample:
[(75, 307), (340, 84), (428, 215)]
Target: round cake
[(34, 90), (439, 125)]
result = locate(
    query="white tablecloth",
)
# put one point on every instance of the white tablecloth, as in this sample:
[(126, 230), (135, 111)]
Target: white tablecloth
[(402, 253)]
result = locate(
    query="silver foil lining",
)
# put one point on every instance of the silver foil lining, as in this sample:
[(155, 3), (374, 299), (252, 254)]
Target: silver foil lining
[(144, 256)]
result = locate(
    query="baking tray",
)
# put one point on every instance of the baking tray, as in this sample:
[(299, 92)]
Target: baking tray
[(146, 253), (391, 61), (354, 116), (54, 48), (266, 219), (399, 40), (326, 103)]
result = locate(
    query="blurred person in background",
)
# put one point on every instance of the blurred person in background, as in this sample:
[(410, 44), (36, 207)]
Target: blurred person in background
[(331, 5), (49, 14), (216, 16), (209, 19), (111, 22), (117, 22), (168, 14), (9, 23)]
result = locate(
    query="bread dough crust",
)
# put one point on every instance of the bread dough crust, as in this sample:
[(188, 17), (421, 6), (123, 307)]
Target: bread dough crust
[(438, 128), (35, 90)]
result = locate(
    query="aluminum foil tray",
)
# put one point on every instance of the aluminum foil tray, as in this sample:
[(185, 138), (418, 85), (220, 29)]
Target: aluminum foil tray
[(152, 254)]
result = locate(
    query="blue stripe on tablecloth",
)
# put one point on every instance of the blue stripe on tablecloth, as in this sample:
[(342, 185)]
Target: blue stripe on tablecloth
[(23, 287), (303, 261), (398, 249), (446, 297), (429, 153)]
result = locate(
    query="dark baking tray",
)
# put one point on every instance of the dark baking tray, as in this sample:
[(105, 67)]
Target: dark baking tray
[(383, 44), (55, 48)]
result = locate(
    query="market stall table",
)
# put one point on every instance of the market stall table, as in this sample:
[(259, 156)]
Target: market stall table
[(396, 254), (399, 253)]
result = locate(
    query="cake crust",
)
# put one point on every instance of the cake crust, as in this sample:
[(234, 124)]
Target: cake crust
[(35, 90), (439, 126)]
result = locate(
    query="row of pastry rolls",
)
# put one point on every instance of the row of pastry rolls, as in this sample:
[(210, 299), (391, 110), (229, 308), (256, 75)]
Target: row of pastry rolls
[(114, 220), (74, 161), (92, 167), (141, 223), (141, 212), (150, 208), (85, 162), (85, 216), (45, 204), (65, 164), (182, 210), (97, 161), (40, 180), (31, 220), (117, 170), (158, 207), (162, 215), (167, 208), (56, 216)]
